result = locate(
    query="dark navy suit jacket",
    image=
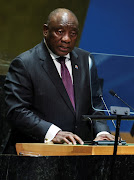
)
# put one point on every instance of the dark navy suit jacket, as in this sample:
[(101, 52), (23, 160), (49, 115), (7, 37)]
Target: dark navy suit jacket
[(36, 97)]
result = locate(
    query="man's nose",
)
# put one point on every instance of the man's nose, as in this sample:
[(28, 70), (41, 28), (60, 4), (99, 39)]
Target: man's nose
[(66, 38)]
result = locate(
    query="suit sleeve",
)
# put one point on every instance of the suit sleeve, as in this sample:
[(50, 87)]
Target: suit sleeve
[(19, 97), (96, 91)]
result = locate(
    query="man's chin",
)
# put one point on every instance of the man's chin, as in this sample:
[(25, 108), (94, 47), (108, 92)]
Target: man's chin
[(62, 53)]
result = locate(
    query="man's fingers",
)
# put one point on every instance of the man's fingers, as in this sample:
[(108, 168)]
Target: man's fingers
[(67, 137), (78, 139), (75, 139), (102, 137), (110, 137)]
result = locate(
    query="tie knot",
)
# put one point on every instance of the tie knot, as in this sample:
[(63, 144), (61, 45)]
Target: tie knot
[(61, 59)]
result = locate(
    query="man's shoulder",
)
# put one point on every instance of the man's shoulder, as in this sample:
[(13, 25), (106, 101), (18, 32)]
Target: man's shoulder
[(79, 51)]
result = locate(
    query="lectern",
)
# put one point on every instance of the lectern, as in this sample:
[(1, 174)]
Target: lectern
[(41, 149)]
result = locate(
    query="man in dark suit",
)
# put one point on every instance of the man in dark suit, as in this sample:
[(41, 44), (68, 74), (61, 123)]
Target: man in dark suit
[(39, 105)]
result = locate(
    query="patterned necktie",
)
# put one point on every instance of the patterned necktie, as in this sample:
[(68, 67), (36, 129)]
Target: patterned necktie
[(66, 79)]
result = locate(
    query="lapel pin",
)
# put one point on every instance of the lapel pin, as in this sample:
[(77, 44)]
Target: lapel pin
[(76, 66)]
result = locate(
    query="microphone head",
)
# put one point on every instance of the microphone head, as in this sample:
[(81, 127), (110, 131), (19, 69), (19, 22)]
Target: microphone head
[(112, 92)]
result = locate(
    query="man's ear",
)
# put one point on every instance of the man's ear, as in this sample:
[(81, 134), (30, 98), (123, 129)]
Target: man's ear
[(45, 30)]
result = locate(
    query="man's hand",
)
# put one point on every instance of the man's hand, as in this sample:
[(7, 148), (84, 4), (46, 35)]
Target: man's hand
[(102, 137), (67, 137)]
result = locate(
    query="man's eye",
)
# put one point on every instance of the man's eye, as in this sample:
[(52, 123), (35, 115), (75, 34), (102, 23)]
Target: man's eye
[(73, 34), (59, 32)]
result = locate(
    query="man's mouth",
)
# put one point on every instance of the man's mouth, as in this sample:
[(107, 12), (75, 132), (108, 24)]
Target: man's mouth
[(62, 48)]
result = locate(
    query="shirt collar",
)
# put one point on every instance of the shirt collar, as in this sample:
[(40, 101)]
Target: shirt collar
[(54, 56)]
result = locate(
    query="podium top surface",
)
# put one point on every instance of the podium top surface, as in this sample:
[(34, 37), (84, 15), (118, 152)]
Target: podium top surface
[(41, 149)]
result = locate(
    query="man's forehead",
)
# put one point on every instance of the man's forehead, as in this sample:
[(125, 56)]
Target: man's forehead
[(64, 20)]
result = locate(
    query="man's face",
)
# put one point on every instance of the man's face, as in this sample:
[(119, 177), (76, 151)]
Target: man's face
[(61, 34)]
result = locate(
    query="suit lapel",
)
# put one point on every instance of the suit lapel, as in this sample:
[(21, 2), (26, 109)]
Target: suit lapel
[(76, 70), (52, 72)]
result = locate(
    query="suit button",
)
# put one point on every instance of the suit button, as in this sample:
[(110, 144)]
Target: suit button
[(75, 127)]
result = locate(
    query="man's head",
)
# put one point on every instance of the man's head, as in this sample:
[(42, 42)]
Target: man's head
[(61, 31)]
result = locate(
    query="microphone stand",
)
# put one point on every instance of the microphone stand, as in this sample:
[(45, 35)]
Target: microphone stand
[(118, 121), (118, 114), (119, 111)]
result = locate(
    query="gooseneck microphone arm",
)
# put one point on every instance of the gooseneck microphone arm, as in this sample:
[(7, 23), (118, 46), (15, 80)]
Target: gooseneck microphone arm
[(107, 109), (114, 94)]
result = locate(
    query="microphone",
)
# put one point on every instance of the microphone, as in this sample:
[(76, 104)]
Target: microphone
[(114, 94)]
